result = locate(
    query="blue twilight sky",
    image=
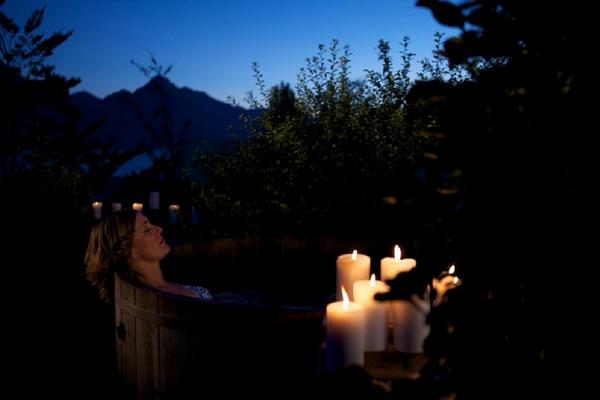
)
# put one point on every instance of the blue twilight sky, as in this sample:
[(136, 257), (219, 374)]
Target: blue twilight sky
[(212, 43)]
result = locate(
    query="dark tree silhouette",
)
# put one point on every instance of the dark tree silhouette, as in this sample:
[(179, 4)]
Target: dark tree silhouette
[(511, 134), (282, 103), (49, 169), (40, 137)]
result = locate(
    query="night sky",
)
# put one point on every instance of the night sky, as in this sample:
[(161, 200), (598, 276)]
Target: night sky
[(213, 43)]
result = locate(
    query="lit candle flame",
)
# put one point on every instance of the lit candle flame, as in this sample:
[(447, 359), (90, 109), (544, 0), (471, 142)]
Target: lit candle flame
[(372, 281), (397, 252), (346, 304), (354, 254), (452, 269)]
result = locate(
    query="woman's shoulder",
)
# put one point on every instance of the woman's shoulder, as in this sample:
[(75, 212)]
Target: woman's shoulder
[(202, 292)]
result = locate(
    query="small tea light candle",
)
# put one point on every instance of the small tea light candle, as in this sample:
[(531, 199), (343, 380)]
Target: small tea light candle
[(350, 268), (97, 206), (137, 206), (117, 207), (345, 334), (448, 281), (174, 213)]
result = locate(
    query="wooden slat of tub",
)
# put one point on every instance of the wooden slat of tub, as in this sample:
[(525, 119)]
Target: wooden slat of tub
[(118, 319), (172, 354), (183, 351), (170, 360), (129, 352), (147, 346), (129, 365)]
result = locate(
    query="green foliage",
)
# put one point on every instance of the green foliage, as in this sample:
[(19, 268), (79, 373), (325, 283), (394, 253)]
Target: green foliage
[(320, 157), (440, 69)]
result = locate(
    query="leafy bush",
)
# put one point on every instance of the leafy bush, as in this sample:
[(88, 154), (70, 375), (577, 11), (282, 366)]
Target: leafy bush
[(327, 156)]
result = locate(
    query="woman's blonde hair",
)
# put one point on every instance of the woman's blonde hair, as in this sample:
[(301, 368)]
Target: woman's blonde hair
[(108, 250)]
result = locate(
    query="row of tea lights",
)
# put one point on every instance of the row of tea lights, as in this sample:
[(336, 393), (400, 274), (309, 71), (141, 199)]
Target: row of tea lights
[(356, 322), (173, 210), (154, 200)]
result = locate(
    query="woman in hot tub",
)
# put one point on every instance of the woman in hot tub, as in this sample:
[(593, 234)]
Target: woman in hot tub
[(127, 241)]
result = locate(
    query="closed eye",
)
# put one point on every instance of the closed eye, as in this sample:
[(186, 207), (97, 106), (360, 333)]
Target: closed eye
[(145, 227)]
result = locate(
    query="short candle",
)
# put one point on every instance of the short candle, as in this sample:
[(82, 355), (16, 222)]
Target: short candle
[(97, 206), (174, 213), (345, 343)]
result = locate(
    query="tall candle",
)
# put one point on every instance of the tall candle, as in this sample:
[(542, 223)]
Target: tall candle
[(410, 324), (174, 213), (351, 268), (117, 207), (376, 327), (345, 334), (97, 206), (154, 200), (137, 206)]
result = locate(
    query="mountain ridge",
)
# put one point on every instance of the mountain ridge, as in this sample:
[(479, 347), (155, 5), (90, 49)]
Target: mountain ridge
[(129, 114)]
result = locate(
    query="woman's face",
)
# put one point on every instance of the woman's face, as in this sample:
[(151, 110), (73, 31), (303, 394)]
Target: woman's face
[(148, 243)]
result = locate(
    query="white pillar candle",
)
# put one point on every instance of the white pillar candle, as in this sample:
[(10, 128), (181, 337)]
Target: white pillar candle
[(117, 207), (154, 200), (137, 206), (345, 344), (390, 267), (376, 327), (350, 268), (97, 206), (410, 324), (174, 213)]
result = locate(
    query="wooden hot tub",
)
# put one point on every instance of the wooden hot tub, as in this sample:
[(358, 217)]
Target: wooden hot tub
[(171, 346), (174, 347)]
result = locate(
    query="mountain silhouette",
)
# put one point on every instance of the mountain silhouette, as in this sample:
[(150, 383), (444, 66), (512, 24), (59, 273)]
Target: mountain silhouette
[(128, 115)]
